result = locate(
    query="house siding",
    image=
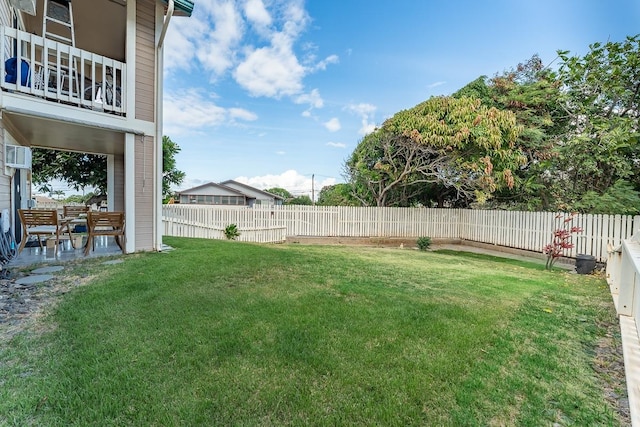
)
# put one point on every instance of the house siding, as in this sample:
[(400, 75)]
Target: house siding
[(118, 183), (144, 189), (5, 19), (145, 60), (5, 180), (145, 100)]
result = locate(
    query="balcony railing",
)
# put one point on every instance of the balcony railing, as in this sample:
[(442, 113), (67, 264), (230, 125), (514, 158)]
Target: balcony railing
[(59, 72)]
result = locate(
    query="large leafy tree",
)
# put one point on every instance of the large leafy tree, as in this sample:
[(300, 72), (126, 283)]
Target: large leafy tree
[(458, 144), (79, 170), (601, 91), (279, 191), (532, 93), (170, 174), (300, 200), (337, 195), (83, 170)]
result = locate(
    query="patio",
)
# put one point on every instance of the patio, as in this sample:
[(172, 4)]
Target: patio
[(104, 246)]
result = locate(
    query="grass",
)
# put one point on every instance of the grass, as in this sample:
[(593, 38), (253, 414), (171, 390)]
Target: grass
[(226, 333)]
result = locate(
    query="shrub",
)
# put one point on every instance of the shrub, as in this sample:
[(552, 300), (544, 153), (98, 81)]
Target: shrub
[(231, 232), (561, 240), (424, 243)]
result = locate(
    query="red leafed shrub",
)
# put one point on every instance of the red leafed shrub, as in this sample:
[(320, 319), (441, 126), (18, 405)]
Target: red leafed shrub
[(561, 240)]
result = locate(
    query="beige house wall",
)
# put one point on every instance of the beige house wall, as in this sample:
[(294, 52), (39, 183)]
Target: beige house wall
[(145, 60), (145, 100), (118, 183), (144, 193), (142, 200), (5, 180)]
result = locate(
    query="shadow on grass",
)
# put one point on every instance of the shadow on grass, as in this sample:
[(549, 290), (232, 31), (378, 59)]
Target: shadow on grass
[(537, 265)]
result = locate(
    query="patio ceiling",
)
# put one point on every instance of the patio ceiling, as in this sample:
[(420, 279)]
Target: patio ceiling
[(42, 132), (100, 26)]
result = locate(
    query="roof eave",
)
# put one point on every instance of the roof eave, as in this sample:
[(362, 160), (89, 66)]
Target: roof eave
[(182, 7)]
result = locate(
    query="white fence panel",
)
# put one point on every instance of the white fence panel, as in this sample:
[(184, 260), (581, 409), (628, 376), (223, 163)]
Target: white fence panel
[(522, 230)]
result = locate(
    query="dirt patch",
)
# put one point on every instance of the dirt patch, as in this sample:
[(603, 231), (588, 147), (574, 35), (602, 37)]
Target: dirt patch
[(609, 366), (377, 242), (23, 305)]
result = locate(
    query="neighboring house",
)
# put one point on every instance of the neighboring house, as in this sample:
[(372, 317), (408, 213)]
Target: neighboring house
[(228, 193), (93, 84), (212, 194), (254, 196)]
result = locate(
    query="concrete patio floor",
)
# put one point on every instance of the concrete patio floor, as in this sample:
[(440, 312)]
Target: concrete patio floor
[(104, 246)]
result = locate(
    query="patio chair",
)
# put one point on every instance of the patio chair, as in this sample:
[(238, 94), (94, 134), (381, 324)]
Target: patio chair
[(36, 222), (105, 224), (72, 211)]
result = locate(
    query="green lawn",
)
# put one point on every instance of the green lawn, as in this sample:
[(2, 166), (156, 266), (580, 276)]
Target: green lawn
[(226, 333)]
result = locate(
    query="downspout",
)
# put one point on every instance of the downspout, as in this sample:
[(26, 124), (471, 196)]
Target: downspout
[(157, 238), (167, 19)]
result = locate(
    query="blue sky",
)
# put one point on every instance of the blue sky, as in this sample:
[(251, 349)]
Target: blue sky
[(271, 92)]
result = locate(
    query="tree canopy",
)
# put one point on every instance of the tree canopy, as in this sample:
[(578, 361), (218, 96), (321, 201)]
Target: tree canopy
[(601, 92), (456, 143), (337, 195), (279, 191), (170, 174), (531, 138), (84, 170), (79, 170)]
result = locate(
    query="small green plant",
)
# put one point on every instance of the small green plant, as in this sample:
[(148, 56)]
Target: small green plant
[(424, 243), (231, 232)]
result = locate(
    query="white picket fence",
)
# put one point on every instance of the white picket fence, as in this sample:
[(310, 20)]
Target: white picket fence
[(522, 230)]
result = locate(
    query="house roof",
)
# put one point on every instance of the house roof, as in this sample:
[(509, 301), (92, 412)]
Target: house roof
[(248, 187), (182, 7), (212, 185)]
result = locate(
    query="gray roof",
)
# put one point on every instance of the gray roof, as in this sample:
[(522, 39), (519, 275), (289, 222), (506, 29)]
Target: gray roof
[(236, 185)]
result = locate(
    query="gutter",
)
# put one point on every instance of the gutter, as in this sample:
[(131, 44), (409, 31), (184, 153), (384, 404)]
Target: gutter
[(182, 7), (165, 25)]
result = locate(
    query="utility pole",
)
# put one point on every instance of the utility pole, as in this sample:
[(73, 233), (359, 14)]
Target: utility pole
[(313, 193)]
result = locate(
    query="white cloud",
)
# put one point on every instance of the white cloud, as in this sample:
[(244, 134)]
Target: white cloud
[(366, 128), (241, 113), (281, 153), (290, 180), (337, 144), (362, 108), (306, 113), (179, 49), (271, 71), (215, 52), (312, 98), (191, 111), (212, 36), (255, 40), (274, 70), (435, 84), (257, 13), (333, 125), (190, 183), (322, 65), (366, 113)]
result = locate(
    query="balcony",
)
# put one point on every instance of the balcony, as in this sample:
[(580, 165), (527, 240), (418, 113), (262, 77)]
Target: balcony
[(61, 73)]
